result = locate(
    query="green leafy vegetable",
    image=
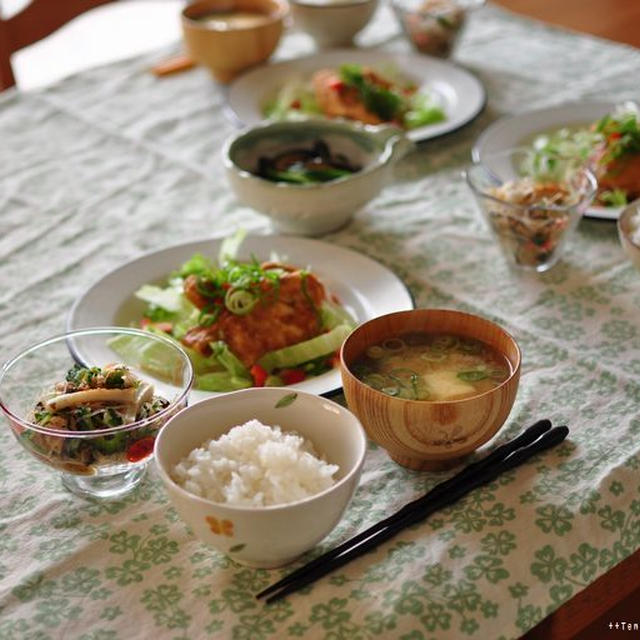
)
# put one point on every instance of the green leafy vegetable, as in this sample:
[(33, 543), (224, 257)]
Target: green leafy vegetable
[(296, 354), (385, 103), (423, 111), (613, 198), (229, 361), (221, 381), (285, 401), (472, 376)]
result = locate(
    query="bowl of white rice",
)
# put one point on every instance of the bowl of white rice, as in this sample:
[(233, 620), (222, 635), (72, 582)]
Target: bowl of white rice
[(261, 474)]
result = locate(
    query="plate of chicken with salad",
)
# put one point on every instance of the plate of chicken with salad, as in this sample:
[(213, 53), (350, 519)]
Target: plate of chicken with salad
[(249, 311), (425, 96), (604, 136)]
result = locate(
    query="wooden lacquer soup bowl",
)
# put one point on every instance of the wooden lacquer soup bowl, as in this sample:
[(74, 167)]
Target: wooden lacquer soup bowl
[(429, 434)]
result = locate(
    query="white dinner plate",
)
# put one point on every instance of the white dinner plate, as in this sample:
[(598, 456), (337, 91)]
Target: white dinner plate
[(364, 287), (516, 130), (458, 92)]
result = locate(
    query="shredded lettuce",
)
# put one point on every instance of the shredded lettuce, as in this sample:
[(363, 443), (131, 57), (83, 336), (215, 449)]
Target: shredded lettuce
[(230, 246), (151, 356), (229, 360), (168, 298), (221, 381), (554, 153), (332, 315), (296, 354), (296, 92), (423, 110), (197, 265)]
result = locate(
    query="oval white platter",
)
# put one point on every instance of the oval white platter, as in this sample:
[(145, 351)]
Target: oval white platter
[(458, 91)]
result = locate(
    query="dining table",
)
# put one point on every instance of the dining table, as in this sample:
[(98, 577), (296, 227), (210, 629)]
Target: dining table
[(114, 162)]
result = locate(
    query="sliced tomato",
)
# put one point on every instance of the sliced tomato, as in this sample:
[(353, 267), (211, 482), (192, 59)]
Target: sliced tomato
[(259, 375), (333, 360), (140, 449), (292, 376), (295, 104)]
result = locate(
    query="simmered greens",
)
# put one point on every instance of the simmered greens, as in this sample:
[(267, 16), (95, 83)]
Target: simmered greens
[(306, 166)]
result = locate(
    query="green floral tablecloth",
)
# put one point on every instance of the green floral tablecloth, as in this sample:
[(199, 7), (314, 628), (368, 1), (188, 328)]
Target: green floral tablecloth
[(113, 162)]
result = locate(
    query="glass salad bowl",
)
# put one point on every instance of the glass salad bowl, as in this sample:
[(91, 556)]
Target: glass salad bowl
[(532, 217), (434, 27), (90, 402)]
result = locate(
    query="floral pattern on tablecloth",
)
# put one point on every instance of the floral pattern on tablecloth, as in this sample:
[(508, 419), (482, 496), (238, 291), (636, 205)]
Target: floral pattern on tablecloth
[(112, 163)]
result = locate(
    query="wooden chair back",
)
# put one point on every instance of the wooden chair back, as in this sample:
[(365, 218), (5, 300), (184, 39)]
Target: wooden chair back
[(36, 21)]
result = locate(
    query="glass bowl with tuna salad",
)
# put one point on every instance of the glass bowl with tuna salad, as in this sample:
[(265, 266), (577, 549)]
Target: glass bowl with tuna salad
[(533, 218), (90, 403)]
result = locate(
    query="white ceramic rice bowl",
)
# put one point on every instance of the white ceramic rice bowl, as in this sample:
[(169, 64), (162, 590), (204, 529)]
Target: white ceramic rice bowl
[(272, 536)]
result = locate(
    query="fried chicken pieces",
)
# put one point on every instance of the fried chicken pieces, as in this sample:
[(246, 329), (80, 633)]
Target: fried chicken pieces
[(286, 313)]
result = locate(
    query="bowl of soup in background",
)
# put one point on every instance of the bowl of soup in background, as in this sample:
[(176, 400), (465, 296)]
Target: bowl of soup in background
[(228, 36), (430, 433)]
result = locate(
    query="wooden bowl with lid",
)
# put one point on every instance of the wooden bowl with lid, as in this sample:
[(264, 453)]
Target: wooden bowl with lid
[(429, 434)]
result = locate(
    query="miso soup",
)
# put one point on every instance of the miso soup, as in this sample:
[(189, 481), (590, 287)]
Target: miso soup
[(432, 367)]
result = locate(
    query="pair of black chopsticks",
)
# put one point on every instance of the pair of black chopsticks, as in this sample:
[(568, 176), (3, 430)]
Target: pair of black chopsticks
[(536, 438)]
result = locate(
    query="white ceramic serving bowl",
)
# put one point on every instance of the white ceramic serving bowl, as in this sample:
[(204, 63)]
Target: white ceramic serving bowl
[(313, 209), (332, 23), (628, 224), (271, 536)]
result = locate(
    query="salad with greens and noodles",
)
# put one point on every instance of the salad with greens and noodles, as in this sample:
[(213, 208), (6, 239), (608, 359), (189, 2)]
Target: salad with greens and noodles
[(246, 323), (610, 147), (92, 399), (357, 92)]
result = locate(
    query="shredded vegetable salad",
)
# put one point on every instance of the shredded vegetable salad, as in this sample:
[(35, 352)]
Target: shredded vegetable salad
[(357, 93), (94, 399), (610, 147), (246, 323)]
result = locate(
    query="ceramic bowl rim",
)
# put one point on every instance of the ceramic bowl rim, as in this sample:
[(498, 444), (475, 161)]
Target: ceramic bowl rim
[(516, 367), (329, 6), (344, 127), (466, 5), (279, 13), (245, 510)]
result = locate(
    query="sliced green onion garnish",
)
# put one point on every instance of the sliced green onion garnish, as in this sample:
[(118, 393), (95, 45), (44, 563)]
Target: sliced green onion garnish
[(442, 343), (240, 301), (472, 376), (430, 356), (376, 380), (375, 352), (394, 344)]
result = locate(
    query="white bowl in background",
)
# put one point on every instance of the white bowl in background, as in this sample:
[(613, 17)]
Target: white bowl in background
[(269, 536), (332, 23)]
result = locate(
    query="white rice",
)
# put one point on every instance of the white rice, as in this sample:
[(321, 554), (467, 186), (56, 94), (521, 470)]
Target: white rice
[(255, 465)]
